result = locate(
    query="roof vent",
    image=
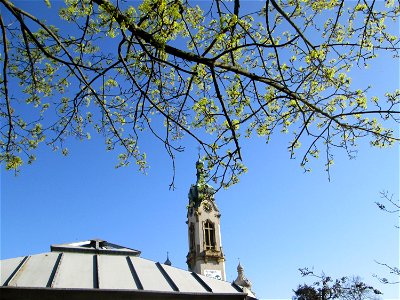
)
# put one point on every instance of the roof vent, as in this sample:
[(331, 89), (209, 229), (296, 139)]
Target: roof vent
[(96, 246)]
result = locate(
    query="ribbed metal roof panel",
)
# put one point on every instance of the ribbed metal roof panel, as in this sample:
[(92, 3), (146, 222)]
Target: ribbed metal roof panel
[(114, 273), (150, 276), (184, 280), (8, 266), (218, 285), (75, 271), (36, 271)]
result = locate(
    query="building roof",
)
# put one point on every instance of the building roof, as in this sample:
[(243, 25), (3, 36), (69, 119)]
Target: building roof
[(99, 265)]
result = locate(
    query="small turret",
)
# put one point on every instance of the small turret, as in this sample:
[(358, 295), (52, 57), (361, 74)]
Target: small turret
[(242, 281), (167, 262)]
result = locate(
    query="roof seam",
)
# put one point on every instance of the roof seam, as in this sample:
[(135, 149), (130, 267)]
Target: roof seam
[(167, 277), (202, 282), (237, 287), (134, 274), (54, 271), (13, 274), (96, 278)]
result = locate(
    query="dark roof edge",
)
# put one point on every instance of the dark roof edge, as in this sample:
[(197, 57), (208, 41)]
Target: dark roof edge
[(8, 292)]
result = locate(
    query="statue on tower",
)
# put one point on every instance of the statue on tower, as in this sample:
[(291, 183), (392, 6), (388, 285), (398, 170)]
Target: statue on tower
[(201, 190)]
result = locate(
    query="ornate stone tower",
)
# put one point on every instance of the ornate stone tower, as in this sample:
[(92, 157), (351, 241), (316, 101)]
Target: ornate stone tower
[(205, 248)]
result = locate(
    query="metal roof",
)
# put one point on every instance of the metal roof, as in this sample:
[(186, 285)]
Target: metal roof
[(97, 264)]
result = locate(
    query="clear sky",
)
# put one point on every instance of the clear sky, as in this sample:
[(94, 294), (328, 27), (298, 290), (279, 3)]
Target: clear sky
[(276, 220)]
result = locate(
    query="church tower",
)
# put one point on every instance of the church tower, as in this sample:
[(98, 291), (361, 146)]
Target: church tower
[(205, 248)]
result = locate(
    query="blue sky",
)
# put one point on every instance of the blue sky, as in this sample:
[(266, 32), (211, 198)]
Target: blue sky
[(276, 220)]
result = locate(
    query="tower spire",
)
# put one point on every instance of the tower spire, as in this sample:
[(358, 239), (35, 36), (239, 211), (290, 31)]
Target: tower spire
[(198, 151)]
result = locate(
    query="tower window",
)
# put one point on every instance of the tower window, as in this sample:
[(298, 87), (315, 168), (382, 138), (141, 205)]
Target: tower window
[(209, 235)]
